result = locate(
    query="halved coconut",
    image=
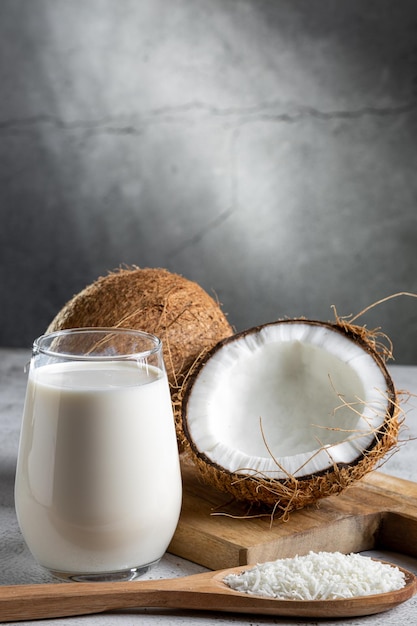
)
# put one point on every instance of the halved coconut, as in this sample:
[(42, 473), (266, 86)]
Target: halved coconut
[(289, 412)]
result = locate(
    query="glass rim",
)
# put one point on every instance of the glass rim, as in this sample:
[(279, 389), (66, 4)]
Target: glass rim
[(38, 348)]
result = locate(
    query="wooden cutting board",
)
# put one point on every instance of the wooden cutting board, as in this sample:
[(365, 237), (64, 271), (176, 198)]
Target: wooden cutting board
[(380, 511)]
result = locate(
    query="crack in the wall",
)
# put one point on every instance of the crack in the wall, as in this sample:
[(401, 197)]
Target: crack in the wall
[(225, 215), (196, 111), (198, 236), (33, 123)]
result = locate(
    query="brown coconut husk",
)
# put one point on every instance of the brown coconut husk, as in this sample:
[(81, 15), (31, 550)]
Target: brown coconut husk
[(177, 310), (280, 497)]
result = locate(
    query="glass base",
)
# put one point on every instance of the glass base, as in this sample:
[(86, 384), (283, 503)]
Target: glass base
[(105, 577)]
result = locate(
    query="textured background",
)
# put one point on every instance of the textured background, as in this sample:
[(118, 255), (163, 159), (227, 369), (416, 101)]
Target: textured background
[(265, 148)]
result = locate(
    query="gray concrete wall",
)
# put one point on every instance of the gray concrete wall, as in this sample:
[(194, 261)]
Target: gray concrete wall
[(265, 148)]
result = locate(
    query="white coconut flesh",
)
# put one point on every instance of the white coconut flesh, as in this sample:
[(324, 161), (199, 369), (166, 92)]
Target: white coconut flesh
[(290, 399)]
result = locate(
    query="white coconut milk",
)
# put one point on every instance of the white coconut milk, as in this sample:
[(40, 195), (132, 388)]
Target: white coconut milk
[(98, 484)]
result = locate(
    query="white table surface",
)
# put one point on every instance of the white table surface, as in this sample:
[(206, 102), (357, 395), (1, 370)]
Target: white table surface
[(18, 567)]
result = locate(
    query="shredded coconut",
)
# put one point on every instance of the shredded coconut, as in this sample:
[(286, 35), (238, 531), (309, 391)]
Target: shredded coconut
[(318, 576)]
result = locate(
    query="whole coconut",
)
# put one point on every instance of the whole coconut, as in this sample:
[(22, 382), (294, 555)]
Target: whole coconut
[(177, 310)]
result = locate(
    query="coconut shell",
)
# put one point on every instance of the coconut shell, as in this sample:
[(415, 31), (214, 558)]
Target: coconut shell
[(177, 310), (283, 496)]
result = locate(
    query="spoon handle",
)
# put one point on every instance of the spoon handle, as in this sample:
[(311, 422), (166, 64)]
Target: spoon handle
[(28, 602), (199, 592)]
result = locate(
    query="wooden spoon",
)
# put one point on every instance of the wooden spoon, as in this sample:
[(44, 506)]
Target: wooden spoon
[(198, 592)]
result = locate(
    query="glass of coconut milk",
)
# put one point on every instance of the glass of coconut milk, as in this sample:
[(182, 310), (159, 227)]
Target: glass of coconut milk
[(98, 485)]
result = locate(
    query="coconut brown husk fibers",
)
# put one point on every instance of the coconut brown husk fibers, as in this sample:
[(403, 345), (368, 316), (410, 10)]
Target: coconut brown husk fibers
[(177, 310), (279, 497)]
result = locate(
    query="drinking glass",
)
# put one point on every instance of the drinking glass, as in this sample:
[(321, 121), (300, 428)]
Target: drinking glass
[(98, 484)]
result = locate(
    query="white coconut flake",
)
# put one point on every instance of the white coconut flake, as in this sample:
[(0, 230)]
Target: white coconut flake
[(318, 576)]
